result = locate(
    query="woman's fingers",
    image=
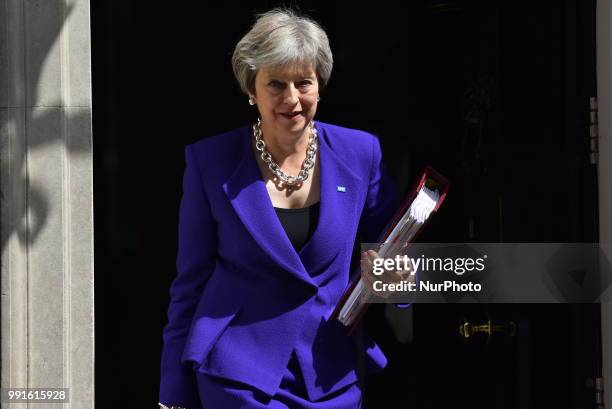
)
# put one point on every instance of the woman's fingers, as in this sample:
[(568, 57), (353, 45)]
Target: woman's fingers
[(368, 262), (367, 266), (388, 277)]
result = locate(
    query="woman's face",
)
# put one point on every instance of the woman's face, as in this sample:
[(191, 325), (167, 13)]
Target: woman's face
[(286, 98)]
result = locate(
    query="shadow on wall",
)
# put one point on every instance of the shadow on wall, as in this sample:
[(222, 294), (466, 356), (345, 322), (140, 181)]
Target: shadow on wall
[(35, 125)]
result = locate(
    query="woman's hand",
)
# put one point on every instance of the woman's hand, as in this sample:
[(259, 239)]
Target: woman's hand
[(387, 277)]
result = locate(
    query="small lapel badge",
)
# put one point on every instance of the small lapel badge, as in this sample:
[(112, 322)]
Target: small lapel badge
[(341, 189)]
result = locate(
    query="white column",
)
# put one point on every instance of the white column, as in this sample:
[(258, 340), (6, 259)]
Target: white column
[(46, 199), (604, 95)]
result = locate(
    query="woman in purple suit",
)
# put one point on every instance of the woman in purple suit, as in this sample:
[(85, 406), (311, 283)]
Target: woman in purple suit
[(268, 220)]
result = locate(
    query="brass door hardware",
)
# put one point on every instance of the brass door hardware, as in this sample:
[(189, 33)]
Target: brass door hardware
[(467, 330)]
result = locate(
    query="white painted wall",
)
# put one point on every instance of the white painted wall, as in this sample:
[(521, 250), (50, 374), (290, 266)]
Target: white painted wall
[(46, 197)]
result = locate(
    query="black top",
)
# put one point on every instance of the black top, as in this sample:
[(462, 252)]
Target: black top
[(299, 224)]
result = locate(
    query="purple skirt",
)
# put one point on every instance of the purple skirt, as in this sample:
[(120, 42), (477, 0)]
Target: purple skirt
[(216, 393)]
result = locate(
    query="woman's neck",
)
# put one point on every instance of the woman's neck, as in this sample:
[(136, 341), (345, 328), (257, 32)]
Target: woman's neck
[(286, 148)]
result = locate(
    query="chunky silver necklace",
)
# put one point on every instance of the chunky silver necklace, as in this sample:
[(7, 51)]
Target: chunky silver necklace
[(275, 169)]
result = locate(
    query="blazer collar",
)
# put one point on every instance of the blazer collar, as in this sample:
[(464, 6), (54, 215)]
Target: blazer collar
[(339, 192)]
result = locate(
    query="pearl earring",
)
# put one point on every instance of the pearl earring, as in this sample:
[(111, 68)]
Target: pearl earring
[(318, 98), (251, 101)]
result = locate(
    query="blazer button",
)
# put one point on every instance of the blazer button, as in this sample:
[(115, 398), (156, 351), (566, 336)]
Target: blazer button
[(310, 291)]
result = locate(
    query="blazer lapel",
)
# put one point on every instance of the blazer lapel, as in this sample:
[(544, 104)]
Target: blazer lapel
[(341, 193), (249, 197)]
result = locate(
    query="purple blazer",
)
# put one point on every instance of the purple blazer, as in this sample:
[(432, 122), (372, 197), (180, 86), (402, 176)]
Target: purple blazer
[(243, 298)]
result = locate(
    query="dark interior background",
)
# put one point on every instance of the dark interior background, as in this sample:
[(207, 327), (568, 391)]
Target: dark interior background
[(494, 95)]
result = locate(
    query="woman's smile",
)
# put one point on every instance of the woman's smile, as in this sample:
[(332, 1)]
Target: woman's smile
[(294, 116)]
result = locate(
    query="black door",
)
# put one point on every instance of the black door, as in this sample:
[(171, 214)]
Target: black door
[(493, 94), (504, 112)]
